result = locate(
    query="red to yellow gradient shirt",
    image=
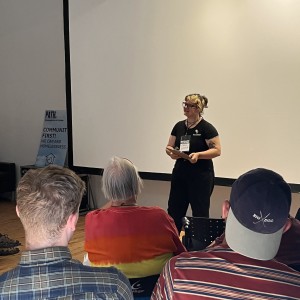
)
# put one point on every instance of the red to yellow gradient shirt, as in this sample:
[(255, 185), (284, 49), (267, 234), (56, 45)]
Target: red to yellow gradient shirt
[(138, 240)]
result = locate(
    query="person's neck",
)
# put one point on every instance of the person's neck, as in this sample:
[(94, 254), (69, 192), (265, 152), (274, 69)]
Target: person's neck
[(42, 245), (224, 243), (124, 203), (39, 241), (192, 121)]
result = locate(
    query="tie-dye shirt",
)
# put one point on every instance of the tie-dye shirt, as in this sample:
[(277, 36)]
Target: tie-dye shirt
[(138, 240)]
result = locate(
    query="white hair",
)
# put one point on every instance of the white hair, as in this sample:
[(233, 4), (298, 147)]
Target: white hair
[(121, 180)]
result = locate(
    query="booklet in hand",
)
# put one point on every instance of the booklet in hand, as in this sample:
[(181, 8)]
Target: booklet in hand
[(179, 153)]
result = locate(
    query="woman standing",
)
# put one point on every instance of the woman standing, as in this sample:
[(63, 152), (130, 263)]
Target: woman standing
[(193, 176)]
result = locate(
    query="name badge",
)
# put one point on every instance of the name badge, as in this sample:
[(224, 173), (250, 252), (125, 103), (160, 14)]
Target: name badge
[(185, 143)]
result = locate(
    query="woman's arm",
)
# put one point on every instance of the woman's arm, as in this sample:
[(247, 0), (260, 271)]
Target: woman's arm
[(170, 146), (214, 150)]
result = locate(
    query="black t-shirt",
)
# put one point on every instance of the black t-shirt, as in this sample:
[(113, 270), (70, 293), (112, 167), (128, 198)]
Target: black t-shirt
[(198, 134)]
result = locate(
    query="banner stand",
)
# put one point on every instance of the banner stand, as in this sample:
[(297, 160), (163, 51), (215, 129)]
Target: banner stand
[(54, 139)]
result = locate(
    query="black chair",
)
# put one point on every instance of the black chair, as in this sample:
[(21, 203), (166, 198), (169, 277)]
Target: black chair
[(298, 214), (142, 287), (201, 232), (8, 178)]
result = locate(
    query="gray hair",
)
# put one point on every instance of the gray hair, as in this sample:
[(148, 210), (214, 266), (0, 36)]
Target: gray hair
[(121, 180)]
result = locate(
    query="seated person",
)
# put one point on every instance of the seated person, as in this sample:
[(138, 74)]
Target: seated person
[(242, 267), (289, 249), (48, 201), (138, 240)]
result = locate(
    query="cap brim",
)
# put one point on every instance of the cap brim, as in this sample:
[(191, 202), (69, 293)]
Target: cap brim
[(249, 243)]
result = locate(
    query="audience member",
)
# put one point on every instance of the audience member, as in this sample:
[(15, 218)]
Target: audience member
[(289, 249), (138, 240), (48, 201), (242, 267)]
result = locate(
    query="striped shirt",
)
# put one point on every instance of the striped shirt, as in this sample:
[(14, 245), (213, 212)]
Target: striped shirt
[(51, 273), (221, 273)]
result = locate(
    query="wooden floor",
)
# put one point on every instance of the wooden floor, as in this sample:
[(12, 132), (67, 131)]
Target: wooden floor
[(11, 225)]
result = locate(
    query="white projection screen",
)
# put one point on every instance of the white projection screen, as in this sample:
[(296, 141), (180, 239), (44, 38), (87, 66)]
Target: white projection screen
[(133, 61)]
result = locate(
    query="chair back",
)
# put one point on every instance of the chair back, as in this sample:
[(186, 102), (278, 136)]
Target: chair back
[(201, 232), (142, 287), (298, 214), (8, 178)]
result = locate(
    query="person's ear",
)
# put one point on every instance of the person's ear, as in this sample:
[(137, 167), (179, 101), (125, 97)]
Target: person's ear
[(225, 209), (287, 225), (72, 221), (17, 211)]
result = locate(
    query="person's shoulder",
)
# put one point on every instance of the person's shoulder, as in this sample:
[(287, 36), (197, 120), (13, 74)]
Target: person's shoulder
[(205, 123), (180, 123), (295, 222), (294, 230), (223, 254), (97, 212), (156, 213), (102, 276), (207, 253), (8, 275), (194, 257), (100, 272), (207, 127), (96, 217), (154, 209)]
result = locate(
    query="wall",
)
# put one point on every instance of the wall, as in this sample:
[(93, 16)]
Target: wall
[(32, 75), (32, 80), (157, 192)]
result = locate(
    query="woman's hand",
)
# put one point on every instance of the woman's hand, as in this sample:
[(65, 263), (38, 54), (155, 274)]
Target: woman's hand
[(194, 157), (170, 153), (214, 150)]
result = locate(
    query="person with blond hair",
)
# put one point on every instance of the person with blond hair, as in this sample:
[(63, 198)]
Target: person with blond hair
[(193, 175), (48, 201)]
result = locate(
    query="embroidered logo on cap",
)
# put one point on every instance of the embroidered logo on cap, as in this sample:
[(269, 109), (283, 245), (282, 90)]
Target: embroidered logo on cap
[(262, 219)]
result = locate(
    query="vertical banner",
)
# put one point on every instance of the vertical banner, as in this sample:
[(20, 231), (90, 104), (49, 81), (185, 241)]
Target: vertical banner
[(54, 140)]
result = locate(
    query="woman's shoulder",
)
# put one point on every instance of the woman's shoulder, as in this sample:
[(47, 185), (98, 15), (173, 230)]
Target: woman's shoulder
[(154, 210), (205, 125), (115, 211), (180, 123), (99, 212)]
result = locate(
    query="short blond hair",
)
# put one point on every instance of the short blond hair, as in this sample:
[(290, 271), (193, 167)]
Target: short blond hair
[(199, 100), (46, 197)]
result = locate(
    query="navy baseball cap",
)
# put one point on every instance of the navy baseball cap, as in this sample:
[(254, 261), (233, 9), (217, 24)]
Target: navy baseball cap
[(260, 203)]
